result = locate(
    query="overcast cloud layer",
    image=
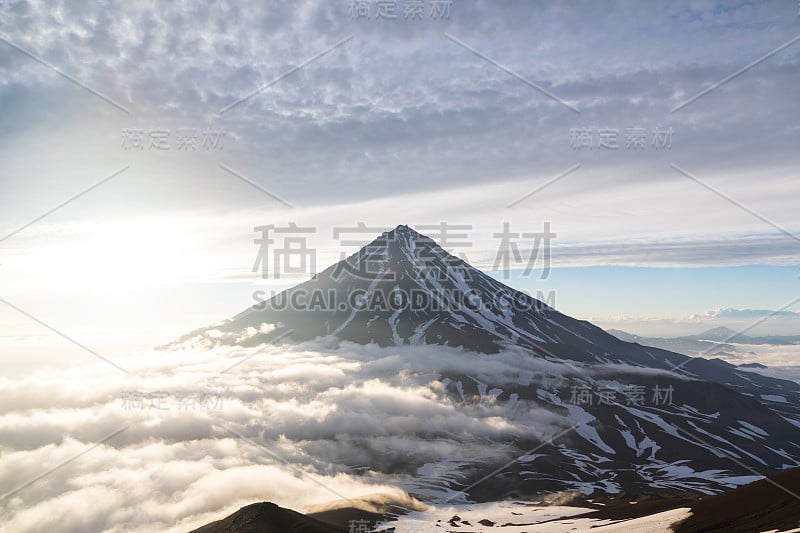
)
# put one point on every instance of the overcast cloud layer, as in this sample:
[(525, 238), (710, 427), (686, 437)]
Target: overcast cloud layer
[(401, 110)]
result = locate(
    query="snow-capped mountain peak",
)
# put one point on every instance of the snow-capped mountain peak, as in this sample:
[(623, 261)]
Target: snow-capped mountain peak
[(404, 289)]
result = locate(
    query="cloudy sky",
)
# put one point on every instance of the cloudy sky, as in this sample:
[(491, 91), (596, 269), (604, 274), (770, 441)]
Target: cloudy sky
[(659, 140), (142, 143)]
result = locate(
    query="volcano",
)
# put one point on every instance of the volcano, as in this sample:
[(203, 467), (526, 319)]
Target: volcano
[(722, 426)]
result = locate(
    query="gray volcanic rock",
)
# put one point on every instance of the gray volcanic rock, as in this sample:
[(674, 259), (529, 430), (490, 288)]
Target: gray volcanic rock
[(722, 424), (405, 289)]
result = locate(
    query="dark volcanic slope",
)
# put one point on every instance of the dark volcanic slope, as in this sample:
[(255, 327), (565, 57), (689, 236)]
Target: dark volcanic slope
[(267, 517), (403, 289), (768, 504)]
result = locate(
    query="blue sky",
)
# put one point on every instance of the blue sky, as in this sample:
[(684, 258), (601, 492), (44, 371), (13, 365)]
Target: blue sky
[(470, 119), (631, 296)]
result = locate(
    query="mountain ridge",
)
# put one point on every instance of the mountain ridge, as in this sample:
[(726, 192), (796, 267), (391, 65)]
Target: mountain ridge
[(718, 412), (444, 300)]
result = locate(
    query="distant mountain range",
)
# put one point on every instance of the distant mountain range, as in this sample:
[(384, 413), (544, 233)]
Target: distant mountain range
[(715, 341), (723, 426)]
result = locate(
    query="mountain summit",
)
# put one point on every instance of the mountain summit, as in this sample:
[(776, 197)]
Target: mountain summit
[(404, 289)]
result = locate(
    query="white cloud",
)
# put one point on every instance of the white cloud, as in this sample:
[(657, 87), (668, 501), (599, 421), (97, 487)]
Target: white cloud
[(314, 412)]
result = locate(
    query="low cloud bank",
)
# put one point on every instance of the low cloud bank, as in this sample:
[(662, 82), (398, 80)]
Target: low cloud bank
[(198, 437)]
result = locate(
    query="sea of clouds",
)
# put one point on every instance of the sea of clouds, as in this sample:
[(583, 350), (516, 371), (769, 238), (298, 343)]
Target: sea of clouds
[(190, 435)]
